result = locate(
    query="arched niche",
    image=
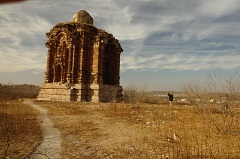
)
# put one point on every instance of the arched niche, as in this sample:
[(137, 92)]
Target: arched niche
[(60, 59)]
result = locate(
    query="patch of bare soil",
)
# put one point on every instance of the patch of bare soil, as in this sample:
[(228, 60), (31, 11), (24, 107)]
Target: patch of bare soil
[(88, 133)]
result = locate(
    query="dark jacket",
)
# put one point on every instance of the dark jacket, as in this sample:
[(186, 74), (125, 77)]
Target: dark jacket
[(170, 96)]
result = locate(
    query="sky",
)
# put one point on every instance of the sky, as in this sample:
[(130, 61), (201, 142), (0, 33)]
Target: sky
[(167, 43)]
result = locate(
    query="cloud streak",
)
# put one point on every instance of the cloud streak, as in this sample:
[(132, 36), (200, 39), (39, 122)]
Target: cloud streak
[(21, 40)]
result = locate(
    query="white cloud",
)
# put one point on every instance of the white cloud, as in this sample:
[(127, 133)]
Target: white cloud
[(218, 8), (185, 26), (22, 40)]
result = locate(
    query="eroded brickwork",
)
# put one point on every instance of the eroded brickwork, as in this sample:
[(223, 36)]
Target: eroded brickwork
[(83, 62)]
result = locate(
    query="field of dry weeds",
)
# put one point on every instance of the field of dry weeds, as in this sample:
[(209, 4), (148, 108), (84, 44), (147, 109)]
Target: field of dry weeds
[(119, 130), (20, 131), (145, 128)]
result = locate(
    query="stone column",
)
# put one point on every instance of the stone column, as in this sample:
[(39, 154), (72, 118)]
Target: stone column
[(96, 51), (81, 58), (117, 71), (54, 74), (103, 41), (73, 64), (100, 61), (117, 75), (47, 73), (69, 73)]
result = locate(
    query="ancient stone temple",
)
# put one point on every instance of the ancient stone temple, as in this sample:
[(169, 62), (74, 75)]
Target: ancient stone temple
[(83, 62)]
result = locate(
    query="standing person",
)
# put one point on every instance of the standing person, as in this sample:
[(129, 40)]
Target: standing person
[(170, 97), (225, 102)]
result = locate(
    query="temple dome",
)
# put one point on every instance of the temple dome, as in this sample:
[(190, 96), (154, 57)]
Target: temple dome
[(83, 16)]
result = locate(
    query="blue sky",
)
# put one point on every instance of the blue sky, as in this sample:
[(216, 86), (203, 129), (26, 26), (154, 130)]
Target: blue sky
[(167, 43)]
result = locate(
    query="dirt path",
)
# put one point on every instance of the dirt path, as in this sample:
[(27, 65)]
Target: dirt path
[(87, 133), (51, 145)]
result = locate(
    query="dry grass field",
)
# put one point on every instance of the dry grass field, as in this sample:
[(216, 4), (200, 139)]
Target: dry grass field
[(19, 131), (118, 130), (144, 127)]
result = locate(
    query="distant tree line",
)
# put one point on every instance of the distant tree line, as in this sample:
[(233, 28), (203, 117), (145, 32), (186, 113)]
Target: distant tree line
[(11, 91)]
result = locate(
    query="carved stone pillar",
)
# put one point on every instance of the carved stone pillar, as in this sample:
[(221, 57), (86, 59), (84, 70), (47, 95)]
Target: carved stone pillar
[(54, 74), (80, 73), (100, 61), (73, 64), (69, 73), (117, 57), (47, 73), (117, 72), (95, 67)]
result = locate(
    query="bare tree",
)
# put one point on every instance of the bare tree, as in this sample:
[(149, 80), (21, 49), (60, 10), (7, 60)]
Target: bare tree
[(217, 103), (134, 95)]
